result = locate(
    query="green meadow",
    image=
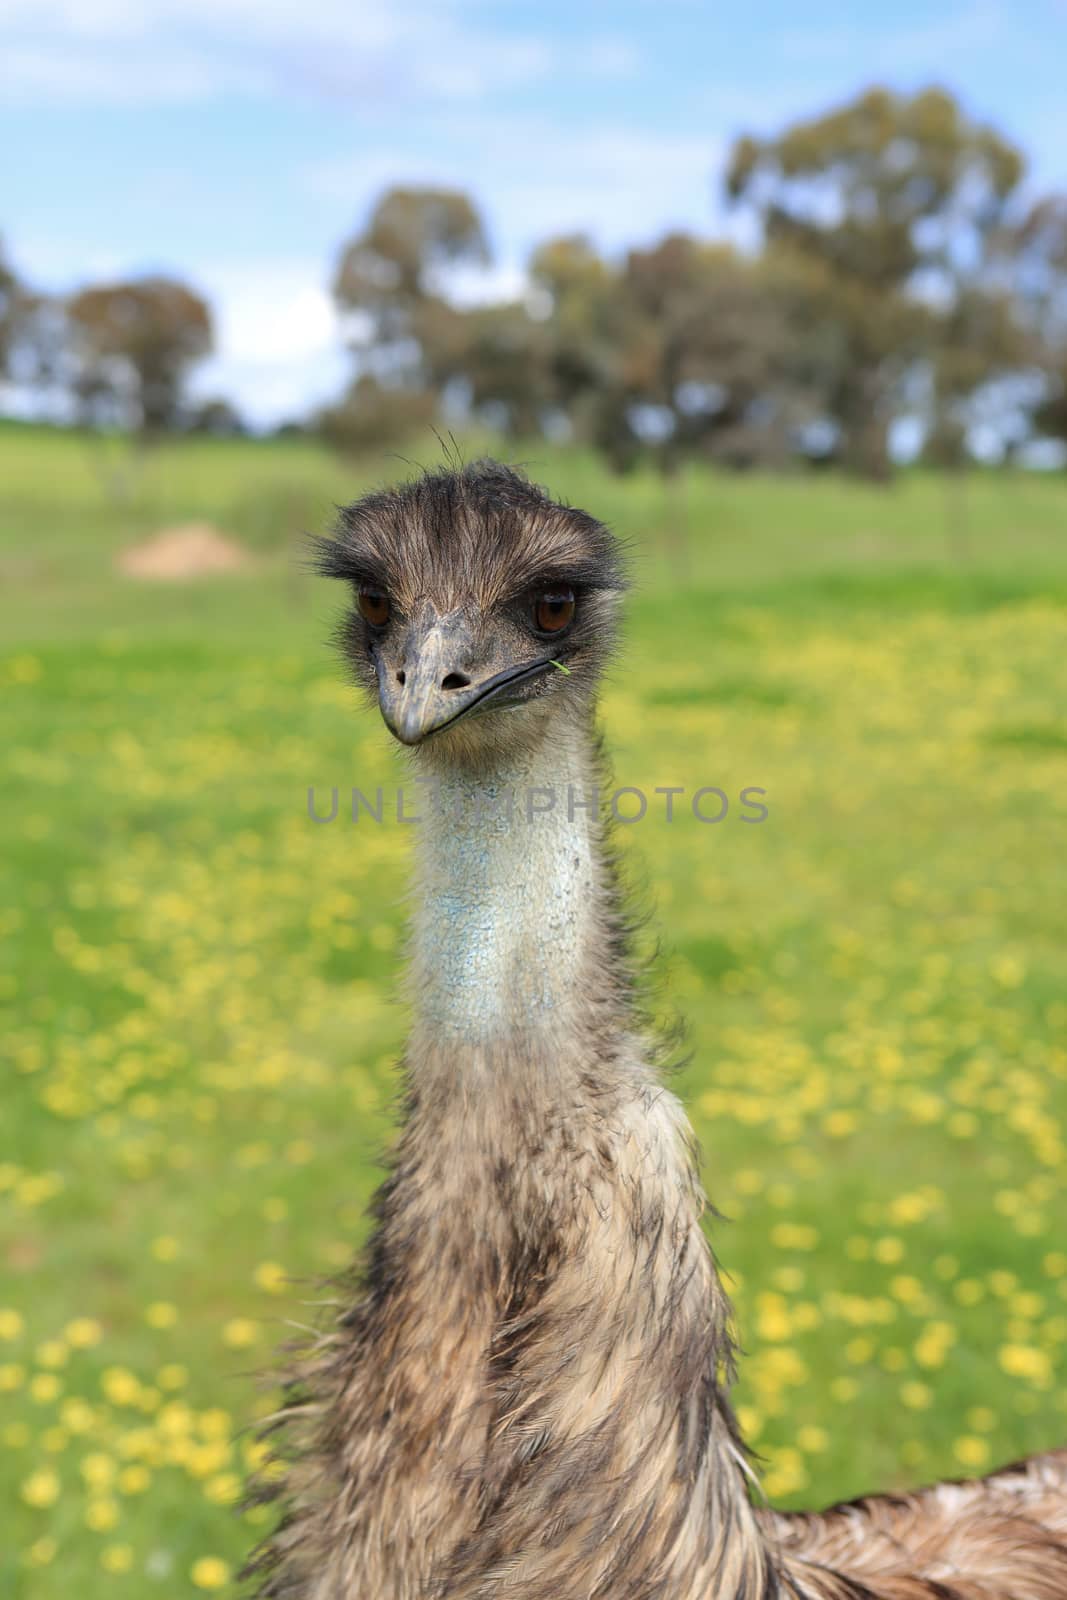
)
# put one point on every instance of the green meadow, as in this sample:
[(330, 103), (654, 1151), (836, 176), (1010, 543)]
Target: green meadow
[(197, 982)]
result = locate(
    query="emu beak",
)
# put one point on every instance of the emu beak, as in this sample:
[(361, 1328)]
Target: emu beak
[(434, 683), (431, 686)]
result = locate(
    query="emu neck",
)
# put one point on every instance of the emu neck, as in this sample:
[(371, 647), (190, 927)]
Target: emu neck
[(546, 1318), (526, 1401), (511, 897)]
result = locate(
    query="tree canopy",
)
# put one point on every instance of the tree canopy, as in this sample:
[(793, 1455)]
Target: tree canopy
[(133, 344), (899, 200)]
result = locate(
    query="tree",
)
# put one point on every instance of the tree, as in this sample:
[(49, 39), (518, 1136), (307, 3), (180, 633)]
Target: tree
[(505, 368), (720, 344), (898, 199), (33, 337), (685, 348), (371, 415), (133, 346), (978, 340), (1038, 252), (9, 292), (390, 284), (217, 417), (578, 295)]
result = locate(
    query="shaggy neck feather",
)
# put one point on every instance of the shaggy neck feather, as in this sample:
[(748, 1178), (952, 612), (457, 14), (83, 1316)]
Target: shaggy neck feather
[(549, 1147)]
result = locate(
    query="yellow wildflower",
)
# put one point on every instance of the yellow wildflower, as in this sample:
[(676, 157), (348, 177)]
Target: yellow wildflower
[(210, 1572), (41, 1488)]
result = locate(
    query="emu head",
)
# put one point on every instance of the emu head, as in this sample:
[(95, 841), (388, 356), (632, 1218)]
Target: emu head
[(482, 611)]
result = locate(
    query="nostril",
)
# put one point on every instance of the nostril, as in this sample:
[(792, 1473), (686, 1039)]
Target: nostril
[(401, 678), (455, 680)]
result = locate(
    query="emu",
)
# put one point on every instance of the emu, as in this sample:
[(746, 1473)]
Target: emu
[(525, 1391)]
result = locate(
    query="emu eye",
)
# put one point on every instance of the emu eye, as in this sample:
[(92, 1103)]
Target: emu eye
[(554, 609), (374, 607)]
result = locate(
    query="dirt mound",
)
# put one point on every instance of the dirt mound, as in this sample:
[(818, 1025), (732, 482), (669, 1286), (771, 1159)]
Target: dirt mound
[(193, 550)]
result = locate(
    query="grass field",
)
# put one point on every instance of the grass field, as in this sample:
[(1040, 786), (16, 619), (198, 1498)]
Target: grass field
[(195, 981)]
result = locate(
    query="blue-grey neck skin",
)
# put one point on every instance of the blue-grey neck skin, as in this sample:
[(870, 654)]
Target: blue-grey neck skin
[(507, 886)]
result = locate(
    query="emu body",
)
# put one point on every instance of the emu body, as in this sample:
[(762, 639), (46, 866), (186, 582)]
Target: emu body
[(525, 1392)]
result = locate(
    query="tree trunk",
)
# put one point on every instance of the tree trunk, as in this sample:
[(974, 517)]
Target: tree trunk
[(119, 463), (957, 514), (865, 447), (676, 517)]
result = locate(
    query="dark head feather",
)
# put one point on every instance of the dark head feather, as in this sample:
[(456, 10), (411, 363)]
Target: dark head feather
[(478, 535)]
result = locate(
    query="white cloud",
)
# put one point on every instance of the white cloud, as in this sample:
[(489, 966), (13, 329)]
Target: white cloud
[(923, 47), (39, 73), (269, 312), (118, 52), (278, 344), (612, 57), (267, 392), (620, 184)]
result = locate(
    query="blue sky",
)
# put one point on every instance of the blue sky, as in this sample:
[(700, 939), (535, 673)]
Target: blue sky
[(237, 142)]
